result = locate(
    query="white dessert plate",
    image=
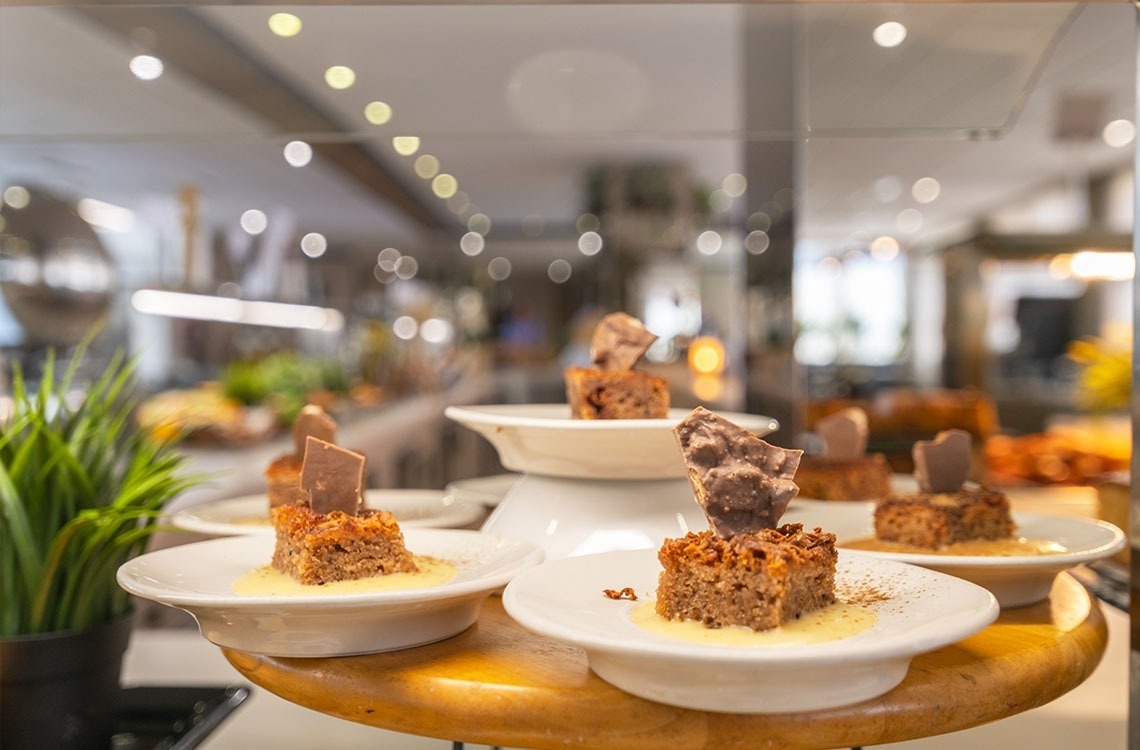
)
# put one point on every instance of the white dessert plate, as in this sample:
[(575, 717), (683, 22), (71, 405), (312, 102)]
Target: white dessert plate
[(430, 509), (917, 610), (1016, 580), (544, 439), (199, 578), (488, 491)]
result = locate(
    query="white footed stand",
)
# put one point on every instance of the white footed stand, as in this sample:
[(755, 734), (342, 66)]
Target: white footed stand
[(571, 517)]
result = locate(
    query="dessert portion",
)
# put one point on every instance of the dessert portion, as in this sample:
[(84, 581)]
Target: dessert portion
[(944, 511), (283, 475), (844, 470), (331, 537), (744, 570), (613, 388)]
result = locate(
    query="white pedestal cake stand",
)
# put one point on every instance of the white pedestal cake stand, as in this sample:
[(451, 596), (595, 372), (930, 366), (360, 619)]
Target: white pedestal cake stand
[(591, 485)]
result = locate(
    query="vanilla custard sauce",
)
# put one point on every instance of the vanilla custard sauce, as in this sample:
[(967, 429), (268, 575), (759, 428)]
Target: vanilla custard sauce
[(267, 581), (831, 623), (1008, 547)]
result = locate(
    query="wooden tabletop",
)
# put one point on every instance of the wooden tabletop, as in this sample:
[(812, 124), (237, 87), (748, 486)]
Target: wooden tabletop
[(499, 684)]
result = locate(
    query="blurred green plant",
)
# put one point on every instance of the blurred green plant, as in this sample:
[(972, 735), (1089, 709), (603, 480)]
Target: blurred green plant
[(82, 487), (283, 381)]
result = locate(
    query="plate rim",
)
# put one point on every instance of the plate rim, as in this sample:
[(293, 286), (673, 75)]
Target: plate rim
[(528, 555), (1115, 541), (482, 414), (983, 609), (186, 518)]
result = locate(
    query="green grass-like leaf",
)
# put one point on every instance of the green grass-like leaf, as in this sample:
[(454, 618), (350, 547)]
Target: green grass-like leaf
[(81, 490)]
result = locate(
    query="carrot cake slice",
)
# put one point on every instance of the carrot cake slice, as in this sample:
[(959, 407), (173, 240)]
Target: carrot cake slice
[(613, 388), (843, 470), (746, 569), (944, 511), (331, 537)]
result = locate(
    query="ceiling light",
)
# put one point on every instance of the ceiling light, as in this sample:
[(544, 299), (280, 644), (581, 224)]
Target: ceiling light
[(709, 243), (386, 259), (756, 242), (480, 223), (499, 269), (17, 196), (230, 310), (444, 185), (405, 327), (427, 166), (472, 243), (1119, 133), (377, 113), (734, 184), (298, 153), (406, 145), (146, 67), (254, 221), (559, 271), (889, 34), (887, 189), (925, 190), (314, 244), (909, 220), (285, 24), (590, 243), (105, 215), (1094, 264), (884, 248), (340, 77)]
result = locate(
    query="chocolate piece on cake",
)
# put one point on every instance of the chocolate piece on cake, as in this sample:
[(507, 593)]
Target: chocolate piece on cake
[(943, 511), (759, 580), (743, 570), (619, 341), (330, 537), (333, 477), (942, 464), (612, 388), (844, 433), (283, 475), (742, 483)]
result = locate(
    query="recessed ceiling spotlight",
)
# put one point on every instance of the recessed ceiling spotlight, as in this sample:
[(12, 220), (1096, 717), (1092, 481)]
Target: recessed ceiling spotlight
[(889, 34), (254, 221), (406, 145), (378, 113), (146, 67), (340, 77), (926, 190), (314, 244), (285, 24), (1119, 133), (298, 153)]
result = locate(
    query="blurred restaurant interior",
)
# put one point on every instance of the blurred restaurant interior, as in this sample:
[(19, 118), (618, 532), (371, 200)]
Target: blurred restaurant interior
[(925, 209)]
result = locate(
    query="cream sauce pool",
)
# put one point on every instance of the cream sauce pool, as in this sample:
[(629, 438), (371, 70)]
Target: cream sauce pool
[(267, 581), (831, 623), (1009, 547)]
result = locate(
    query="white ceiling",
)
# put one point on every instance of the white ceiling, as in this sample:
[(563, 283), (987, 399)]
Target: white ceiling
[(517, 101)]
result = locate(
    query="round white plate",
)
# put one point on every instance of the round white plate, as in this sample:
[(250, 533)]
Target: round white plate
[(544, 439), (488, 491), (923, 610), (430, 509), (199, 578), (1016, 580)]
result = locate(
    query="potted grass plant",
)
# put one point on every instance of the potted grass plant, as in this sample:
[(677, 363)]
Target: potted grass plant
[(82, 487)]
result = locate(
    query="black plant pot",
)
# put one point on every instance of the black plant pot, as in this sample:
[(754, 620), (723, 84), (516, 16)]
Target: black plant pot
[(60, 690)]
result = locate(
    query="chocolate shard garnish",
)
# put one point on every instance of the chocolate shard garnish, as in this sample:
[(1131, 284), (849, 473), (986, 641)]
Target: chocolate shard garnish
[(312, 421), (333, 477), (942, 464), (844, 433), (742, 483), (619, 342)]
